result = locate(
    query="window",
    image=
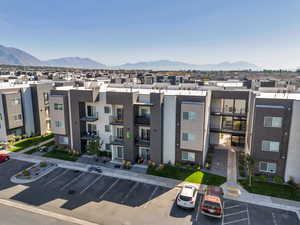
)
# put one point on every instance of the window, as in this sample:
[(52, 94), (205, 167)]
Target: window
[(270, 146), (58, 106), (144, 112), (118, 152), (107, 128), (46, 97), (107, 147), (188, 156), (188, 137), (17, 101), (18, 117), (91, 111), (63, 140), (145, 133), (272, 121), (145, 153), (92, 129), (59, 124), (106, 109), (267, 167), (120, 133), (189, 115)]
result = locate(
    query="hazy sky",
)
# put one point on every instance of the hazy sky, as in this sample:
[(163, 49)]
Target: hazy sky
[(264, 32)]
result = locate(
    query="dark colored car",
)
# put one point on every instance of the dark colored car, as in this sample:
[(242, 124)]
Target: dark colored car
[(212, 202), (4, 157)]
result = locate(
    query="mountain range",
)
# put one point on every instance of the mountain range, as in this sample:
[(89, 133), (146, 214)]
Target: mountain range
[(14, 56)]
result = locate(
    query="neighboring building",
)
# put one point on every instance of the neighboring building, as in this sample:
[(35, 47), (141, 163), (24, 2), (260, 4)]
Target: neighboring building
[(180, 124), (24, 109)]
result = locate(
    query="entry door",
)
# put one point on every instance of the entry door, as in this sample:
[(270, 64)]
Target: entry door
[(145, 153)]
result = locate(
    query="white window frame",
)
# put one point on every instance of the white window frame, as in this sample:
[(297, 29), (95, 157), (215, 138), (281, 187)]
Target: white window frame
[(190, 116), (59, 124), (190, 137), (58, 106), (271, 145), (191, 156), (274, 123), (269, 167)]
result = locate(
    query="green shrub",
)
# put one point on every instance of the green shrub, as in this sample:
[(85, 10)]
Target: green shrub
[(26, 173), (278, 180), (262, 178), (43, 164)]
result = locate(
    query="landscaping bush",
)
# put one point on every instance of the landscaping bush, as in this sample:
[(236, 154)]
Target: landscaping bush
[(43, 164), (127, 164), (161, 166), (291, 181), (26, 173), (151, 164), (262, 178), (278, 180)]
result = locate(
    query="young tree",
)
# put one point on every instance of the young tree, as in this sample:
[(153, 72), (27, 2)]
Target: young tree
[(94, 146), (250, 167)]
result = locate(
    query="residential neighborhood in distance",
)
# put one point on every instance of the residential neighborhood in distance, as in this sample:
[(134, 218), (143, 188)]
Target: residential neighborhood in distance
[(149, 112)]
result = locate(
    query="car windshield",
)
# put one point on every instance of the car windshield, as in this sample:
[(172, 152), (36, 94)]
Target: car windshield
[(211, 204), (185, 198)]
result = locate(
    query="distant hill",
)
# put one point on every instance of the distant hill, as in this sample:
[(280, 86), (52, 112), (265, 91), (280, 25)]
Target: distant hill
[(75, 62), (175, 65), (14, 56)]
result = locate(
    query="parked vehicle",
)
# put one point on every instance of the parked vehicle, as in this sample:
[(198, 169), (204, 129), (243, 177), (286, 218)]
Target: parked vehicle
[(187, 196), (4, 157), (95, 169), (212, 202)]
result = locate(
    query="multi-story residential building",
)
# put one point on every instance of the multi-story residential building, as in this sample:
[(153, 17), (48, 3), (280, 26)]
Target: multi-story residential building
[(177, 125), (24, 109)]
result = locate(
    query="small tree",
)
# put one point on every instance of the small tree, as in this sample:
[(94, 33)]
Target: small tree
[(94, 146), (250, 167)]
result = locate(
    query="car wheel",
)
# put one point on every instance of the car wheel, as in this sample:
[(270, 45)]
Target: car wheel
[(6, 159)]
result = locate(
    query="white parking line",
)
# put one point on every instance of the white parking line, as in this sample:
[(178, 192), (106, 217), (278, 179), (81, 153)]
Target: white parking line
[(236, 221), (231, 214), (91, 184), (248, 215), (130, 191), (223, 213), (234, 206), (111, 186), (274, 218), (151, 196), (52, 180), (72, 181)]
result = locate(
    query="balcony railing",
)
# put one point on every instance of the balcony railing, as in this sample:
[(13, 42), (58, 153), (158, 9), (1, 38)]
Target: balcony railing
[(142, 141), (116, 120), (143, 120), (116, 140), (89, 135), (91, 118), (227, 110)]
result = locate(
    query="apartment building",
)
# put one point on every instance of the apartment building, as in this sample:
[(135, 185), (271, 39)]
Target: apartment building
[(24, 109), (169, 125)]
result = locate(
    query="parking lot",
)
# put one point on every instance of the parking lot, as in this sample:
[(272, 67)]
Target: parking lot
[(107, 200)]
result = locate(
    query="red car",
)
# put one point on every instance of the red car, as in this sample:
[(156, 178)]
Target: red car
[(4, 157)]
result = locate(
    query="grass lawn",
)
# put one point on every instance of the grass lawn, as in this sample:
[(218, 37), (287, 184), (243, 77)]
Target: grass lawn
[(25, 143), (59, 154), (271, 189), (188, 175), (30, 152)]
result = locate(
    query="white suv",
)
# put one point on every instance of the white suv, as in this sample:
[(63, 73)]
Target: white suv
[(187, 196)]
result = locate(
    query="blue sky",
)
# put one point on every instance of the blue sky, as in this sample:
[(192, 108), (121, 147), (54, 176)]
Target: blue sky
[(264, 32)]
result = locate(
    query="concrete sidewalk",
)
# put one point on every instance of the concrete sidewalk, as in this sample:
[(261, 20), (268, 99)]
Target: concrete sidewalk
[(167, 182)]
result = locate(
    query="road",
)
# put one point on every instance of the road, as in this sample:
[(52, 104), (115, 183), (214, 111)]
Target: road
[(13, 216)]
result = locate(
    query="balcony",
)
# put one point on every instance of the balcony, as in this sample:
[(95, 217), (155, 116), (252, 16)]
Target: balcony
[(229, 111), (115, 140), (90, 118), (116, 120), (142, 120), (143, 142), (89, 135)]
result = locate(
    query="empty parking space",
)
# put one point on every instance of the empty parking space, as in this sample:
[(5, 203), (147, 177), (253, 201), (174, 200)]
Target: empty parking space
[(77, 189)]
